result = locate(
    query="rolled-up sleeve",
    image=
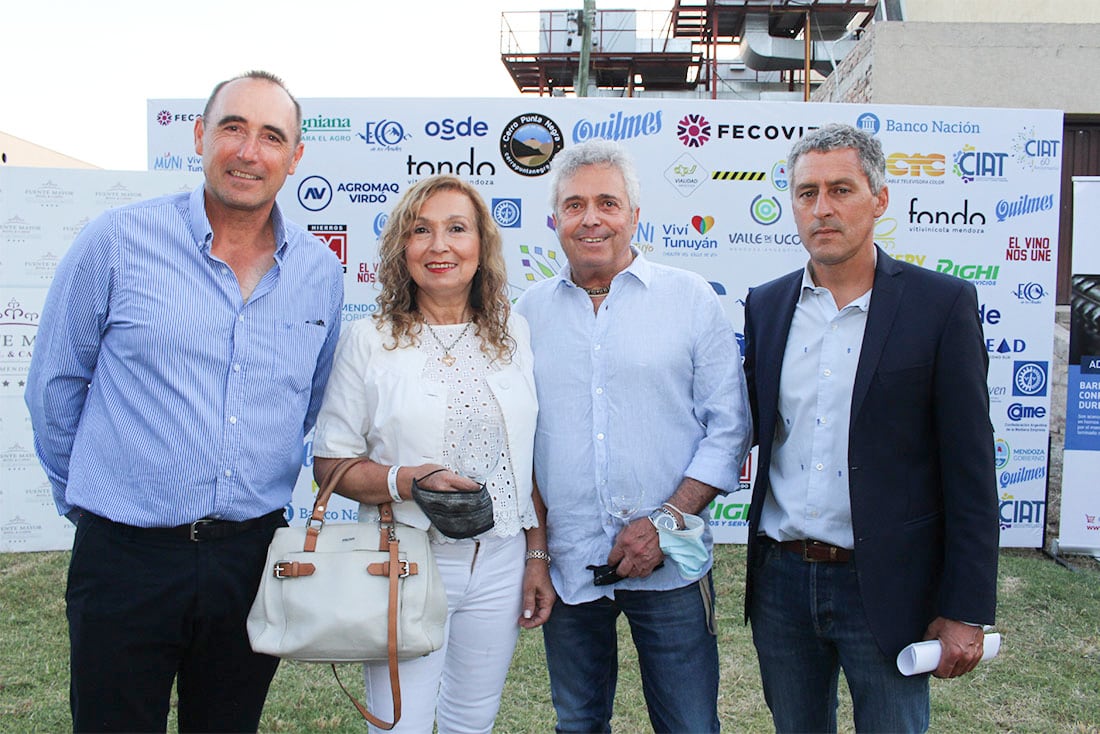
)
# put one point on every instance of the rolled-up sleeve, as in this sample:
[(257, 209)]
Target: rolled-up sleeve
[(721, 400)]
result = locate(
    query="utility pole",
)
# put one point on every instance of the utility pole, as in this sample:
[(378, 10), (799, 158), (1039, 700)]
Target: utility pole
[(587, 20), (809, 50)]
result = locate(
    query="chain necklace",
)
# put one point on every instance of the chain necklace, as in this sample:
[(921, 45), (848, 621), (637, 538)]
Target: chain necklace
[(448, 359), (596, 292)]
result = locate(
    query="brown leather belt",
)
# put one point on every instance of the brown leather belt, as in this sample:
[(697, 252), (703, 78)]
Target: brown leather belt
[(815, 551)]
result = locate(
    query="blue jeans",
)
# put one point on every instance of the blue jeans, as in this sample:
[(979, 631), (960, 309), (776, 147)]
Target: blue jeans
[(807, 624), (673, 632)]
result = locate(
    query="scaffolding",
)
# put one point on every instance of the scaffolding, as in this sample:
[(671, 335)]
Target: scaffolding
[(678, 51)]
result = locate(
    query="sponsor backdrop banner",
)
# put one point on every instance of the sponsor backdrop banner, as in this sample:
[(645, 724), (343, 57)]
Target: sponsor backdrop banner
[(973, 192), (1079, 528), (41, 211)]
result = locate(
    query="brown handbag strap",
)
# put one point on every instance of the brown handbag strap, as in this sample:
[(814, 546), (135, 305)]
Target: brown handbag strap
[(324, 493), (385, 511), (388, 538)]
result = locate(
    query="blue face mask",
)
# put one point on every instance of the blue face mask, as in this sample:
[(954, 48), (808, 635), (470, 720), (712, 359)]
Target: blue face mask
[(685, 547)]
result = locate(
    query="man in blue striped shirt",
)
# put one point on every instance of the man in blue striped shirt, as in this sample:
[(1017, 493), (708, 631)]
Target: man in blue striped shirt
[(182, 355)]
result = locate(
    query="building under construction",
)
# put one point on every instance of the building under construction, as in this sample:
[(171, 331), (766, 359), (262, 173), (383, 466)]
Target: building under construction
[(978, 53), (721, 49)]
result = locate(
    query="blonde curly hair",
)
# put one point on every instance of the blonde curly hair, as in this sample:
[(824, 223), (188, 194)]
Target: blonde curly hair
[(489, 302)]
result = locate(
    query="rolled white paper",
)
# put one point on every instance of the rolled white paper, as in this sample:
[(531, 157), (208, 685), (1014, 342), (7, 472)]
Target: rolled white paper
[(924, 657)]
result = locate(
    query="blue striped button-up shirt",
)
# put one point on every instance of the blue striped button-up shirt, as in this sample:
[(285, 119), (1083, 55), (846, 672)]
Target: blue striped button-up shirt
[(156, 395)]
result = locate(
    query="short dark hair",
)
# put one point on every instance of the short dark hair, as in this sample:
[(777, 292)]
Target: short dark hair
[(263, 76), (837, 136)]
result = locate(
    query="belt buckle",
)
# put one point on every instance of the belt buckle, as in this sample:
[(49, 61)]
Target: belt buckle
[(806, 551), (193, 536), (806, 546), (824, 553)]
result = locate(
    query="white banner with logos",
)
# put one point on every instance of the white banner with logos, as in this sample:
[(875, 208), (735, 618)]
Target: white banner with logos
[(41, 211), (1079, 522), (973, 192)]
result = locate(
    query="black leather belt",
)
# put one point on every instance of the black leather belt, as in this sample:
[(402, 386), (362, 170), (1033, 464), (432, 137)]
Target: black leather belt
[(814, 550), (199, 530)]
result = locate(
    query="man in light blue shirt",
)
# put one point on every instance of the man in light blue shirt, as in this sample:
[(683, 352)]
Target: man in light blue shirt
[(182, 355), (643, 420)]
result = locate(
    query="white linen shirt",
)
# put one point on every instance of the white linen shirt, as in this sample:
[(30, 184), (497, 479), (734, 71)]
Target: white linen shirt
[(378, 404), (649, 391)]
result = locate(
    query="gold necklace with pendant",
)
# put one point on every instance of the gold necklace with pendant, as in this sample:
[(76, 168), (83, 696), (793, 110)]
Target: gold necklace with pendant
[(448, 359)]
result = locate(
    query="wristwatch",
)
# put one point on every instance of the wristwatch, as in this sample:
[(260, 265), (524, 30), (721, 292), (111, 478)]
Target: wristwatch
[(664, 519)]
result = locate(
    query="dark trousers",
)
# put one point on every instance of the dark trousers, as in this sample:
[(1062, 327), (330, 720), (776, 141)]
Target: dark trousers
[(146, 609)]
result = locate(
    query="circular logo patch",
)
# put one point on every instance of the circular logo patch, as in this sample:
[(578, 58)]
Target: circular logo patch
[(765, 210), (529, 142)]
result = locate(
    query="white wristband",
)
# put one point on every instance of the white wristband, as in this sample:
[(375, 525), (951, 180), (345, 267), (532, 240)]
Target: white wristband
[(391, 483)]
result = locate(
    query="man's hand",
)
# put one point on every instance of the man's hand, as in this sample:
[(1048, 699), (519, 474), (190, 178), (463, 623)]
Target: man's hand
[(637, 550), (962, 646)]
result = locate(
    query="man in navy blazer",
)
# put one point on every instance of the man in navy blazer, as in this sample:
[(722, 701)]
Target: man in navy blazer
[(873, 521)]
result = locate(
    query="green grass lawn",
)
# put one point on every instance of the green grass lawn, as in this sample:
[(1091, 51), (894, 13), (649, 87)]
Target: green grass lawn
[(1046, 679)]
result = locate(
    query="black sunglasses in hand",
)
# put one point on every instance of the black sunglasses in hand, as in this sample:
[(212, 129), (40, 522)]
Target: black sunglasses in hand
[(606, 574)]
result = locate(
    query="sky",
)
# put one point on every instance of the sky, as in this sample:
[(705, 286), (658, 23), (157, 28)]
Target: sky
[(75, 75)]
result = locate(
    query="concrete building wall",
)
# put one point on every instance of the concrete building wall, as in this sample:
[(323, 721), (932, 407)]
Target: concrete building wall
[(949, 54), (1003, 11), (1050, 65)]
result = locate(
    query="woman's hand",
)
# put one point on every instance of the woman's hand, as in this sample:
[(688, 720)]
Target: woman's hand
[(538, 594), (367, 481), (440, 479)]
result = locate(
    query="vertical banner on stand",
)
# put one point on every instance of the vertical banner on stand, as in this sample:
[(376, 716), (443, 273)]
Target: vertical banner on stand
[(1079, 529)]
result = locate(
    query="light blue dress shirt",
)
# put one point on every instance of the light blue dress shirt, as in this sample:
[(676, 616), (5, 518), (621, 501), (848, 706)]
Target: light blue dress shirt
[(809, 470), (156, 395), (631, 401)]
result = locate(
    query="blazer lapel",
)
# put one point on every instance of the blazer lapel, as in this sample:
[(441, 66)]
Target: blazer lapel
[(769, 355), (885, 299)]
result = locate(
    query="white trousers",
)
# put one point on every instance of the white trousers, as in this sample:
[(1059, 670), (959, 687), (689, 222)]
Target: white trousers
[(458, 686)]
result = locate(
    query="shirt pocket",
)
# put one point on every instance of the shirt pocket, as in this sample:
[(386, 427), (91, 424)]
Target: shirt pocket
[(297, 347)]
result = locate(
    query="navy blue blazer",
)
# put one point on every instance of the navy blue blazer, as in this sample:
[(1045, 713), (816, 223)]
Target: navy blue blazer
[(922, 481)]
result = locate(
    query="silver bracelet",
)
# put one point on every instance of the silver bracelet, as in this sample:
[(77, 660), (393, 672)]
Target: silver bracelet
[(681, 523), (539, 554), (391, 483)]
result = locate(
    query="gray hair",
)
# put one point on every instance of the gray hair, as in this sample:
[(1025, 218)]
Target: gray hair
[(594, 153), (837, 136)]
